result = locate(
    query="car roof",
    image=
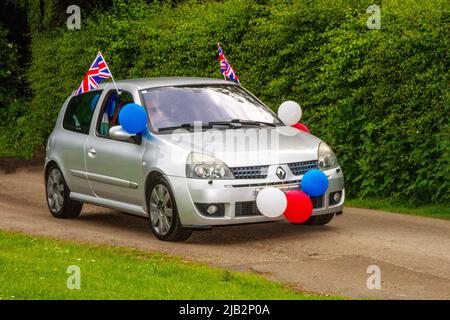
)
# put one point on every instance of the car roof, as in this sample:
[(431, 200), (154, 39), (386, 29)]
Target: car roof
[(146, 83)]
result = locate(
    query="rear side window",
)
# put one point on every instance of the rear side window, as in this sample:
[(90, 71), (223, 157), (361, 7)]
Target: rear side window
[(79, 112)]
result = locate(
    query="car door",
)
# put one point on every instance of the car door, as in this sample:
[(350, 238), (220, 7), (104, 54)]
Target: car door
[(114, 168), (71, 140)]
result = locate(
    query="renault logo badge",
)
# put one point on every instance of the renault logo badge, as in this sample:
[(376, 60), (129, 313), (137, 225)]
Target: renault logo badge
[(281, 174)]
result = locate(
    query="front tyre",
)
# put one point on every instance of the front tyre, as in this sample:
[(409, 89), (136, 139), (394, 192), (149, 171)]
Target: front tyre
[(57, 193), (163, 215)]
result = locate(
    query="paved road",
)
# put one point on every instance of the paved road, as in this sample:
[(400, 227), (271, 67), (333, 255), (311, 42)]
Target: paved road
[(413, 253)]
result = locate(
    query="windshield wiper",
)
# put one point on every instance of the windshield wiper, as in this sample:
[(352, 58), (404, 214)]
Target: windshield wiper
[(237, 123), (185, 126)]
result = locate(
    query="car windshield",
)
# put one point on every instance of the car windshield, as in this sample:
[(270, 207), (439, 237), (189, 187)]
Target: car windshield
[(212, 105)]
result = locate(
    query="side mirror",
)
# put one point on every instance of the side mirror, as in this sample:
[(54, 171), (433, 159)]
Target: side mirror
[(118, 133)]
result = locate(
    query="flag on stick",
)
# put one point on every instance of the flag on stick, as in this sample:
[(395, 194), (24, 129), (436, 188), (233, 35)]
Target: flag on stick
[(98, 72), (225, 67)]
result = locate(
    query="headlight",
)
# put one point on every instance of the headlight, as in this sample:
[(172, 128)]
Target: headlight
[(327, 158), (202, 166)]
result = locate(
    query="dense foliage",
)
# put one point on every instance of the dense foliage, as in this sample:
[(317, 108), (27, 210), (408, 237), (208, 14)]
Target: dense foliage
[(380, 98), (8, 69), (11, 106)]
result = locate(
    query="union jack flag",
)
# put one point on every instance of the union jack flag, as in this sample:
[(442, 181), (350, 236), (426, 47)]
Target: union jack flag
[(225, 67), (97, 73)]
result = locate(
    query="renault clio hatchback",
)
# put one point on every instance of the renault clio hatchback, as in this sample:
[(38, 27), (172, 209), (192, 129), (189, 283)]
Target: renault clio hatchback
[(180, 172)]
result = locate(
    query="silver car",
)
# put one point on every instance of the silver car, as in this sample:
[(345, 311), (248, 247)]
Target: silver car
[(208, 148)]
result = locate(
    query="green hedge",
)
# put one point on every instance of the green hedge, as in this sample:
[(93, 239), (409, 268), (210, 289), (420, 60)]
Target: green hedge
[(8, 70), (12, 107), (380, 98)]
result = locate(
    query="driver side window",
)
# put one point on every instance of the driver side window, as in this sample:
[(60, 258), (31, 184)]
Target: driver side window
[(109, 115)]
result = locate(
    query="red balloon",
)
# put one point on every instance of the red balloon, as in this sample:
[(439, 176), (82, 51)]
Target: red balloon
[(299, 206), (300, 126)]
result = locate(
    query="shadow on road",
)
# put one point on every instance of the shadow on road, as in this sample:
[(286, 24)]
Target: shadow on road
[(219, 236)]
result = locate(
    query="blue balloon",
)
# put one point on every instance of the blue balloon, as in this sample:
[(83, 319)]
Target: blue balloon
[(314, 183), (133, 118)]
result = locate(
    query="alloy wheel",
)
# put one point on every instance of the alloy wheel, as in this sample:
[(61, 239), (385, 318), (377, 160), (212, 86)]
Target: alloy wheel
[(161, 213), (55, 190)]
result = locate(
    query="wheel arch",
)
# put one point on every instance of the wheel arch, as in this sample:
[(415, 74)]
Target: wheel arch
[(151, 176), (48, 165)]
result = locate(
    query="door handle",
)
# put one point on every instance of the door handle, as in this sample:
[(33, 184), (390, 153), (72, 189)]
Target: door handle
[(92, 153)]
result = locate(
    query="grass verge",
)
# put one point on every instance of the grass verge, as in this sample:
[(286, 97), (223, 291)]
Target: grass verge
[(36, 268), (434, 211)]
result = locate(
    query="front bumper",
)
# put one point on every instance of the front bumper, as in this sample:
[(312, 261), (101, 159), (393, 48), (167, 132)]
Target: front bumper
[(188, 192)]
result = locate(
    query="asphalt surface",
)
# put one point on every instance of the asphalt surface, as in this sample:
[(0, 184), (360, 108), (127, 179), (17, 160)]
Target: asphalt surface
[(413, 253)]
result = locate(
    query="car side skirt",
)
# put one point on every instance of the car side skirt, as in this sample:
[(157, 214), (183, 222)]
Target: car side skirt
[(121, 206)]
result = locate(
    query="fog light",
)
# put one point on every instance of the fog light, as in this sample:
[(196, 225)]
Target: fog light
[(212, 208), (336, 197)]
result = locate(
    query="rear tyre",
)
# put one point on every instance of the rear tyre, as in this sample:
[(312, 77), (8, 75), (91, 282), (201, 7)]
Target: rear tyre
[(57, 193), (319, 220), (163, 214)]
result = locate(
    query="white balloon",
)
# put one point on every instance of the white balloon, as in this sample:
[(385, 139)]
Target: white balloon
[(271, 202), (290, 112)]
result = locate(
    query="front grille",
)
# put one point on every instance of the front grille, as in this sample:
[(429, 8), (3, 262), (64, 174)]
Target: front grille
[(253, 172), (299, 168), (277, 184), (249, 208), (260, 172), (246, 208), (317, 202)]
